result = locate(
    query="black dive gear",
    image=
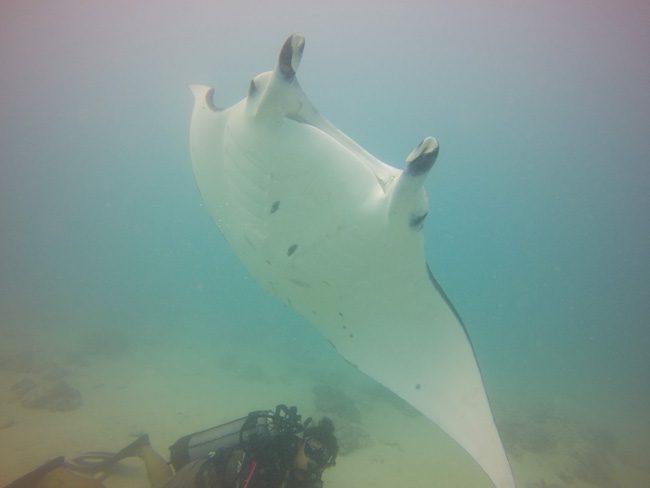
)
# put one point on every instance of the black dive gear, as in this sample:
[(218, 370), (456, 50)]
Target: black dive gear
[(316, 451), (216, 440), (251, 433), (257, 451)]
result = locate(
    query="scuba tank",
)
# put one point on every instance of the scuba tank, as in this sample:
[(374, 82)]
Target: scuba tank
[(257, 428)]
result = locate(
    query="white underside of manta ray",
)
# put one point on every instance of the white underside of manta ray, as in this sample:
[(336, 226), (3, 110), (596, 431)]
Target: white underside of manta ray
[(336, 233)]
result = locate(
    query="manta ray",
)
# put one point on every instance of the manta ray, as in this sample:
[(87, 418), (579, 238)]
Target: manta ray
[(337, 234)]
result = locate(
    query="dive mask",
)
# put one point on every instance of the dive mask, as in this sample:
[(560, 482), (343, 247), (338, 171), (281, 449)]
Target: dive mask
[(318, 453)]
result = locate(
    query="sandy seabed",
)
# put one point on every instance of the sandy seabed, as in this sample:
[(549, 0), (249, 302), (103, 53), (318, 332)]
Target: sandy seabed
[(169, 386)]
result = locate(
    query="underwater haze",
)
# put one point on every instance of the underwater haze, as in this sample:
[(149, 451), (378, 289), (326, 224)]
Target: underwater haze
[(115, 282)]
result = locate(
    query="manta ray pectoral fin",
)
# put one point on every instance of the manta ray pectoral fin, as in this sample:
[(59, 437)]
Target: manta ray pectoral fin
[(408, 202)]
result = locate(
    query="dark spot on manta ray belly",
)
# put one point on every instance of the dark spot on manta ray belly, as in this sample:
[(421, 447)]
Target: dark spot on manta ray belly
[(292, 249), (417, 222), (418, 386), (275, 206)]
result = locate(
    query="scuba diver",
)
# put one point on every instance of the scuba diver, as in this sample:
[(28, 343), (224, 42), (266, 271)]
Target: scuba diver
[(265, 449)]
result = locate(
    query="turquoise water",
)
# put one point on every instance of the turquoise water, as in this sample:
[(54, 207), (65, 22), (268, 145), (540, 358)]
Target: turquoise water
[(538, 228)]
